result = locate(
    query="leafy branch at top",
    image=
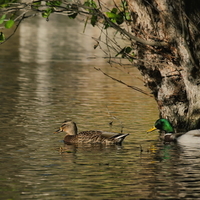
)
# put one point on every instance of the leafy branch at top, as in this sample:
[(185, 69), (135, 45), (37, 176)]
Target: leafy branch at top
[(11, 12)]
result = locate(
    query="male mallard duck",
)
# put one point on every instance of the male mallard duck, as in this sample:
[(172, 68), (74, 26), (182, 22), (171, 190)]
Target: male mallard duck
[(192, 136), (164, 125), (100, 137)]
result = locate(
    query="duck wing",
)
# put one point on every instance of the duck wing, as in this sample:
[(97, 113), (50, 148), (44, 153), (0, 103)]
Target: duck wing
[(115, 137), (101, 137)]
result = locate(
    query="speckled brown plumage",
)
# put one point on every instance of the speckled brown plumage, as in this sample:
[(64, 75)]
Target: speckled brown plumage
[(93, 137)]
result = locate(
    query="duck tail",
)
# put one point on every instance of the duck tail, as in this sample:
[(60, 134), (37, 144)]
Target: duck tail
[(119, 139)]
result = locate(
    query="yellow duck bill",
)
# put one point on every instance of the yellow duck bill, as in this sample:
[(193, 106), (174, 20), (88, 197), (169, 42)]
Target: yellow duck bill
[(152, 129)]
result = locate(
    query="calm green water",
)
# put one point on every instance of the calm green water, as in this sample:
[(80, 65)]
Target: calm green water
[(47, 75)]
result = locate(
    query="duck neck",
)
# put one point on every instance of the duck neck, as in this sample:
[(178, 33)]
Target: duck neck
[(72, 130)]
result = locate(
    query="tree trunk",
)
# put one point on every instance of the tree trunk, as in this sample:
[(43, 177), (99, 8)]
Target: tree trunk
[(172, 72)]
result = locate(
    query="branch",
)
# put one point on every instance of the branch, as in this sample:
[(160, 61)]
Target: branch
[(23, 17), (119, 81), (129, 35)]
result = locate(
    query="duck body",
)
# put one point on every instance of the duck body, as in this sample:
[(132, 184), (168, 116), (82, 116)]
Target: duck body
[(92, 137), (165, 126), (190, 138), (168, 137)]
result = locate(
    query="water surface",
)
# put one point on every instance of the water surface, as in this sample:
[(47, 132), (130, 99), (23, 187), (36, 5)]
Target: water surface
[(47, 75)]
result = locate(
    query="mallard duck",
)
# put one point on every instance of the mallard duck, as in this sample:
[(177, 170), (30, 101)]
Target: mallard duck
[(93, 137), (164, 125)]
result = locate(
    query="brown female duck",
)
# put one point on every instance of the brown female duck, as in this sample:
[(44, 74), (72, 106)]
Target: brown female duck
[(92, 137)]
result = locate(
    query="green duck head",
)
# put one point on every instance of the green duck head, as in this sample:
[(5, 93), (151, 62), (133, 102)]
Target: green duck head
[(163, 125)]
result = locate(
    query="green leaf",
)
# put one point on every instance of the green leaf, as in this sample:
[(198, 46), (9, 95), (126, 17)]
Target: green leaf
[(2, 37), (114, 10), (94, 20), (128, 50), (6, 3), (111, 15), (128, 16), (2, 19), (124, 52), (116, 18), (73, 16), (120, 18), (90, 3), (106, 25), (124, 4), (47, 12), (53, 3), (36, 5), (9, 23)]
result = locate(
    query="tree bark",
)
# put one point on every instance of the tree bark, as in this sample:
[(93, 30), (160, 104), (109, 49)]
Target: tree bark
[(171, 72)]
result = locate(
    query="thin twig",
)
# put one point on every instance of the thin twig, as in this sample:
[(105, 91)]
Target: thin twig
[(130, 86), (115, 118), (23, 17)]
